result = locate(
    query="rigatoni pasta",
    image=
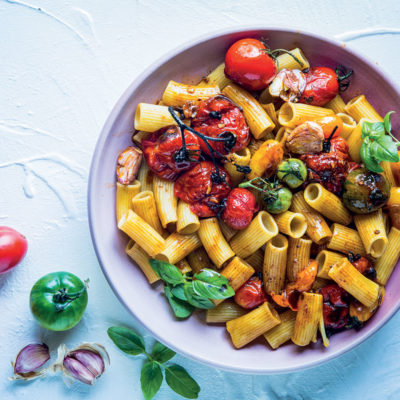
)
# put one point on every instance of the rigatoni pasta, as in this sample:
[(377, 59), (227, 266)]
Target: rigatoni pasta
[(152, 117), (124, 195), (224, 312), (325, 261), (144, 205), (346, 240), (188, 222), (359, 107), (216, 77), (166, 201), (282, 332), (386, 263), (291, 224), (298, 257), (293, 114)]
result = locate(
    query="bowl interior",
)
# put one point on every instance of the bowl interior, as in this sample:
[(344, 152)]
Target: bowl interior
[(205, 343)]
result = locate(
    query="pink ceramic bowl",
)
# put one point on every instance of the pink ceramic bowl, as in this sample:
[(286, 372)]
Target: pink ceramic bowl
[(193, 338)]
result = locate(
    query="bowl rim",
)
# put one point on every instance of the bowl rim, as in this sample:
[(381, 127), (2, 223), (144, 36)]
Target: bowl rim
[(95, 165)]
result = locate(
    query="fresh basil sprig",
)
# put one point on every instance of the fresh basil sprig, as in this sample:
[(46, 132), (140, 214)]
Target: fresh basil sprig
[(185, 292), (151, 376), (377, 146)]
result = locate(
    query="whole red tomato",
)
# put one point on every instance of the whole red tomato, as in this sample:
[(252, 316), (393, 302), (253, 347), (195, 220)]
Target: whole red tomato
[(240, 207), (164, 155), (335, 307), (13, 247), (202, 188), (321, 86), (248, 63), (217, 116), (251, 294)]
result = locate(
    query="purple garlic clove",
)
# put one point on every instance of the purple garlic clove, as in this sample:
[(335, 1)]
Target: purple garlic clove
[(31, 358), (78, 371), (91, 360)]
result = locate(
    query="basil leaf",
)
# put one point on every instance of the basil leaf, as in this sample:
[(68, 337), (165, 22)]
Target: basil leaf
[(178, 292), (369, 161), (212, 285), (167, 272), (161, 353), (387, 122), (150, 379), (181, 308), (181, 382), (384, 149), (195, 299), (126, 340), (366, 129)]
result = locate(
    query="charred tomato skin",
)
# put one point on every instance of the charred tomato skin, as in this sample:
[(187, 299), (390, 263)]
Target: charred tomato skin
[(248, 64), (161, 148), (217, 116), (197, 188), (251, 294), (240, 208), (321, 86), (335, 307)]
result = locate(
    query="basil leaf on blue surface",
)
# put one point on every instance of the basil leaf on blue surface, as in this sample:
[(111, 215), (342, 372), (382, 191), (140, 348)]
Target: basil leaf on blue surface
[(161, 353), (150, 379), (181, 382), (181, 308), (167, 272), (126, 340)]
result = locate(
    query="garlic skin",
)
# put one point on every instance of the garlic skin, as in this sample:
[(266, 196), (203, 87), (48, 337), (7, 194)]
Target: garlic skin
[(288, 84), (29, 360), (305, 139)]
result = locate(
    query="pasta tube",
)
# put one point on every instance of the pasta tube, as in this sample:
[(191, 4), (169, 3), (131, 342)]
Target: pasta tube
[(386, 263), (256, 117), (256, 260), (178, 247), (145, 177), (317, 228), (152, 117), (224, 312), (346, 240), (142, 233), (387, 166), (293, 114), (261, 229), (139, 136), (237, 272), (349, 124), (328, 204), (282, 332), (176, 94), (245, 329), (359, 107), (307, 319), (227, 231), (350, 279), (355, 141), (337, 104), (166, 201), (242, 158), (285, 60), (198, 260), (141, 258), (123, 198), (216, 77), (320, 283), (144, 205), (188, 222), (184, 266), (298, 257), (325, 261), (372, 232), (270, 109), (291, 224), (274, 267), (214, 242)]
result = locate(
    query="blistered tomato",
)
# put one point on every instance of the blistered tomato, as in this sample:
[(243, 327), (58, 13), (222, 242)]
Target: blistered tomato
[(335, 307), (251, 294), (328, 123)]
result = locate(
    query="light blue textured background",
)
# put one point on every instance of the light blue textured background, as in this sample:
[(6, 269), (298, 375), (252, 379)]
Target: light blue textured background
[(63, 65)]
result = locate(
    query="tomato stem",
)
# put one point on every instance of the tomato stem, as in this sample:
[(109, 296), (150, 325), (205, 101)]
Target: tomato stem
[(342, 74), (326, 147), (63, 299)]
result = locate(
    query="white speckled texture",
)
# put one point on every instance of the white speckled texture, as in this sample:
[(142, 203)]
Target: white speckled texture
[(64, 65)]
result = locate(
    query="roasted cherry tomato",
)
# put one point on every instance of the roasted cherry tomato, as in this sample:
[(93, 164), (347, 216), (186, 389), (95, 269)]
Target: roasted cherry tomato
[(251, 294), (321, 87), (165, 155), (13, 247), (278, 201), (364, 266), (58, 300), (217, 117), (240, 207), (248, 63), (335, 307), (203, 188), (328, 123), (292, 171)]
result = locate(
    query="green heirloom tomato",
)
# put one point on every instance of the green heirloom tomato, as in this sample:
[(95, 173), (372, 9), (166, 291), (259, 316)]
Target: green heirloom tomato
[(58, 300), (278, 201), (293, 172), (365, 191)]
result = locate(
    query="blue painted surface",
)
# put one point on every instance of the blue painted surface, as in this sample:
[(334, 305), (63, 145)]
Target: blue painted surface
[(64, 65)]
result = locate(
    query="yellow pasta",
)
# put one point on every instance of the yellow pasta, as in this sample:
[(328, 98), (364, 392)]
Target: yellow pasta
[(188, 222), (176, 94), (261, 229), (256, 260), (178, 247), (337, 104), (274, 267), (216, 77), (141, 258), (270, 109), (227, 231), (237, 272), (386, 263), (184, 266), (198, 260), (282, 332), (317, 228), (139, 136), (349, 124), (224, 312), (359, 107), (142, 233), (298, 257), (372, 232), (166, 201), (123, 197), (354, 141), (346, 240), (256, 117), (145, 177), (320, 283), (291, 224), (387, 166), (285, 60), (214, 242), (327, 203), (325, 261), (293, 114), (144, 205), (350, 279), (242, 158), (245, 329), (152, 117)]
